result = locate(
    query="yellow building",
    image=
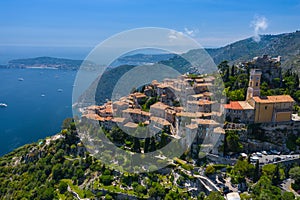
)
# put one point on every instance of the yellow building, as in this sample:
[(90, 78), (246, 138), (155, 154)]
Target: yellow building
[(272, 108), (266, 109)]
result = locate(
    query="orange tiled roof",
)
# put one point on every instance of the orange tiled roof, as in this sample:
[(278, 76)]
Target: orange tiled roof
[(274, 99), (234, 105)]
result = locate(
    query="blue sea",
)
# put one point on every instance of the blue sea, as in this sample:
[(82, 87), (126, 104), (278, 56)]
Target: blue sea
[(36, 108)]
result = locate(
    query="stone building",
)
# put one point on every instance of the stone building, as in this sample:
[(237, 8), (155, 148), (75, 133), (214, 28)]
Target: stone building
[(260, 109)]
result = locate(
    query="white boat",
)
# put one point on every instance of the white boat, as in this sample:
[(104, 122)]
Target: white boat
[(60, 90), (20, 79), (3, 105)]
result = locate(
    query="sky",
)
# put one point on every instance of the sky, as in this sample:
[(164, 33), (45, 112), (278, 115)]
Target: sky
[(82, 24)]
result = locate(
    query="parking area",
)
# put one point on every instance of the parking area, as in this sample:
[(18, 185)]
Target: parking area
[(265, 159)]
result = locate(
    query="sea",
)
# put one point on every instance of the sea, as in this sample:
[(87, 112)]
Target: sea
[(38, 101)]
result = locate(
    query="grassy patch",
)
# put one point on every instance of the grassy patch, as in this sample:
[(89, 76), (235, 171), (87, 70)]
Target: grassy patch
[(75, 188)]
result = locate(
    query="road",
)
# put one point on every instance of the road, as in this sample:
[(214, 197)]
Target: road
[(286, 185)]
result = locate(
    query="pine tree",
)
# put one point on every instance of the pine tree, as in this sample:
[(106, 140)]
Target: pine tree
[(256, 171), (147, 143), (152, 144), (276, 176), (232, 71), (137, 145)]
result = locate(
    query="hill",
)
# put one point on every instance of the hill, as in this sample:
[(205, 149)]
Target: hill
[(286, 45), (45, 62), (59, 167), (142, 59)]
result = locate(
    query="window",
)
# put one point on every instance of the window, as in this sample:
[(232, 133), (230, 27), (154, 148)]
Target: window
[(256, 84), (266, 107)]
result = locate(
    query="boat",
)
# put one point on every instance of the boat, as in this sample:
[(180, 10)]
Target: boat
[(20, 79), (60, 90), (3, 105), (43, 95)]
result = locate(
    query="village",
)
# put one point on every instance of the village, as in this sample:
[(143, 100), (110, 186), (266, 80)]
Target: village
[(187, 109)]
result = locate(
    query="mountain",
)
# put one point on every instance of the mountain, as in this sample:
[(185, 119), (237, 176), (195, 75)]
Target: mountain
[(46, 62), (142, 59), (286, 45)]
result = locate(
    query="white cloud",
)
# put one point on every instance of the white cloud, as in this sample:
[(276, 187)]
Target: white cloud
[(191, 32), (174, 35), (259, 23)]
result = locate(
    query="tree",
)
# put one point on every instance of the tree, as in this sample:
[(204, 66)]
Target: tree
[(237, 95), (201, 196), (215, 196), (256, 172), (295, 174), (147, 144), (288, 196), (57, 172), (223, 66), (136, 145), (63, 186), (48, 194), (107, 196), (232, 70), (276, 176), (210, 170), (66, 123), (152, 144), (232, 141), (172, 195)]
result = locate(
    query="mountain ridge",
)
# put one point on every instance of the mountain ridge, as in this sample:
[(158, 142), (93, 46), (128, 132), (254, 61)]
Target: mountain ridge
[(286, 45)]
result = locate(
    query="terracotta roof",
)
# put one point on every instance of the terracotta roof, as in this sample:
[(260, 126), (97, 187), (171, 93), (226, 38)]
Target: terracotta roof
[(197, 95), (274, 99), (160, 121), (194, 115), (203, 84), (136, 111), (192, 126), (199, 80), (208, 94), (163, 85), (120, 103), (159, 105), (233, 105), (138, 95), (92, 116), (131, 125), (219, 130), (205, 121), (118, 119), (201, 102), (93, 107)]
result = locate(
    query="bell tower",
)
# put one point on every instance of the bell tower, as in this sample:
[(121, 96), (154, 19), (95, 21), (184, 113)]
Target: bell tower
[(254, 83)]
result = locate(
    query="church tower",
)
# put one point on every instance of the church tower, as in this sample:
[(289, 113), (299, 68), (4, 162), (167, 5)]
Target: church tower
[(254, 83)]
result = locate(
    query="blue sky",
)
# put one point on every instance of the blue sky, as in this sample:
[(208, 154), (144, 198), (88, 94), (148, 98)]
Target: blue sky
[(85, 23)]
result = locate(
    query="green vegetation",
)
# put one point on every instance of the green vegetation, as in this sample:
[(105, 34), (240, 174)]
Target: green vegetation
[(236, 83), (47, 171), (232, 142), (295, 174)]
